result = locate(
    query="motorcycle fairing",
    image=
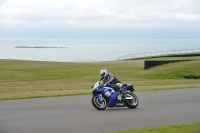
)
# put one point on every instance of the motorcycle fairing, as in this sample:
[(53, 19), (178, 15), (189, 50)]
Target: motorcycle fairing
[(128, 87), (112, 100)]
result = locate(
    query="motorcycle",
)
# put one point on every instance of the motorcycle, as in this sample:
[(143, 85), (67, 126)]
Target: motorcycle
[(109, 96)]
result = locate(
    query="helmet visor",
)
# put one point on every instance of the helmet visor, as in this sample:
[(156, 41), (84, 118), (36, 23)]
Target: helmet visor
[(102, 75)]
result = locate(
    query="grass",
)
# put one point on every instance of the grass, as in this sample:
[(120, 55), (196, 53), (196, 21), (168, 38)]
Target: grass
[(176, 70), (33, 79), (181, 128)]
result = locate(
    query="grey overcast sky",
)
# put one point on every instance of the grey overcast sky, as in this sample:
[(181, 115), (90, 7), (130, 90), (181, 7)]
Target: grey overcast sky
[(134, 19)]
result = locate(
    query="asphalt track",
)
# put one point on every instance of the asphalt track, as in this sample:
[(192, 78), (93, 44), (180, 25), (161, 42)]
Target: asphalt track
[(75, 114)]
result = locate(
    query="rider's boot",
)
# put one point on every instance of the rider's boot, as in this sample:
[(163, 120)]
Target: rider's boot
[(123, 96)]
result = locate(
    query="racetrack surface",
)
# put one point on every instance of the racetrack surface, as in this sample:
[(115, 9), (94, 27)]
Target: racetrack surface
[(75, 114)]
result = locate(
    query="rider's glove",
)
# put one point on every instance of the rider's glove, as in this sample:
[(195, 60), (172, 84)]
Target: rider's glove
[(105, 84)]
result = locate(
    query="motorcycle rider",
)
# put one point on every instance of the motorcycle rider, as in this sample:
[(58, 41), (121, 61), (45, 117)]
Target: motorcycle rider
[(109, 78)]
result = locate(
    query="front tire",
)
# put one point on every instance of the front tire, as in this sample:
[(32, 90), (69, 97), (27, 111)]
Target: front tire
[(99, 105), (132, 103)]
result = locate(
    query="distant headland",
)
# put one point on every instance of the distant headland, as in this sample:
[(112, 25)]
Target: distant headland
[(37, 47)]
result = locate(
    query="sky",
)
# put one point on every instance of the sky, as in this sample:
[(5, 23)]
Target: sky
[(132, 19)]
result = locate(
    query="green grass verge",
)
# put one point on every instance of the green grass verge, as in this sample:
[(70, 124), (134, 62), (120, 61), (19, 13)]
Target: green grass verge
[(33, 79), (176, 70), (181, 128)]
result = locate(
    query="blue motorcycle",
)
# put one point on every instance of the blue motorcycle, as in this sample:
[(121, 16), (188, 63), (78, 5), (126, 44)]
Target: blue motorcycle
[(109, 96)]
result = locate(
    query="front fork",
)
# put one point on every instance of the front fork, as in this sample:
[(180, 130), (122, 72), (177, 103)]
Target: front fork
[(100, 97)]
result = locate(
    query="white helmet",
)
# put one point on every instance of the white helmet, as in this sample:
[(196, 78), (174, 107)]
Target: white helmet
[(103, 73)]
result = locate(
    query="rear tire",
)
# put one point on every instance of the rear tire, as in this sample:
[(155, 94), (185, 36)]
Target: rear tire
[(132, 103), (99, 105)]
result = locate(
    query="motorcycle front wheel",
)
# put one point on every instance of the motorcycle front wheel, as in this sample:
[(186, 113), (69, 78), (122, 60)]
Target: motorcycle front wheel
[(99, 105), (132, 103)]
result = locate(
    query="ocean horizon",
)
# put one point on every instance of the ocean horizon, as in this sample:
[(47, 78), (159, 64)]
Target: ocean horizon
[(86, 50)]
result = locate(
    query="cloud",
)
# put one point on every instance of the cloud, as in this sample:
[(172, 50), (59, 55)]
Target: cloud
[(101, 13)]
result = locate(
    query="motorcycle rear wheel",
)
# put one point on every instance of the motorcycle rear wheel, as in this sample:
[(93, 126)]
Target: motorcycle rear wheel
[(99, 105), (132, 103)]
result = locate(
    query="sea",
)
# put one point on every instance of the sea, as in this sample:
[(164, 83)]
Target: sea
[(88, 50)]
